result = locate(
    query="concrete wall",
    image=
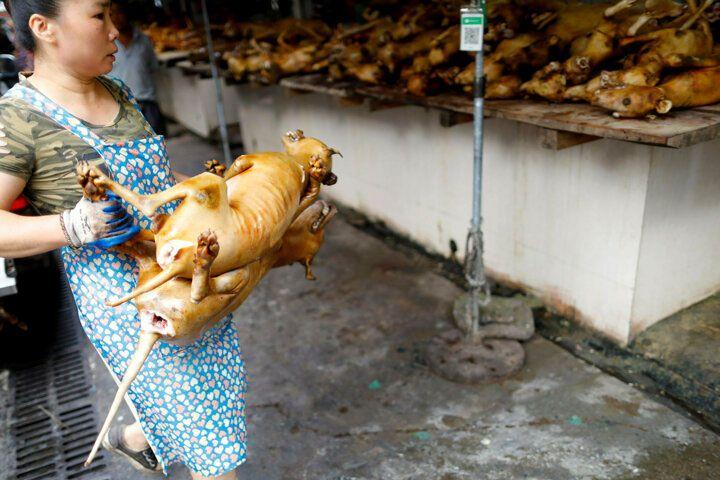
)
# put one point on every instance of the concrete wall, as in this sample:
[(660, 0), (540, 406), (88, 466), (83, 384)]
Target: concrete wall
[(586, 228), (190, 100), (679, 260)]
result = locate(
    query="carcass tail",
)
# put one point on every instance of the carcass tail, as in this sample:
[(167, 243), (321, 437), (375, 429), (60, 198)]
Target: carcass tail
[(144, 347), (153, 283)]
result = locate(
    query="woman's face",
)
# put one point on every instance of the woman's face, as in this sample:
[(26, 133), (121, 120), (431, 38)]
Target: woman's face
[(85, 37)]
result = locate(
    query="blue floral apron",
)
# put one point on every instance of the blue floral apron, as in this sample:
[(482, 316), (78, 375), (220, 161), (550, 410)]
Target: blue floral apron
[(190, 401)]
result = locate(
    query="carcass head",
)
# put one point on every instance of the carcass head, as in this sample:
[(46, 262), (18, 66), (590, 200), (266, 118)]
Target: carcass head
[(550, 88), (577, 69), (632, 101), (169, 311), (306, 149)]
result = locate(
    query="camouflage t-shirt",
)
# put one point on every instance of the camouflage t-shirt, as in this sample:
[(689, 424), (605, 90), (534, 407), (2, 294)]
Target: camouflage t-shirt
[(36, 149)]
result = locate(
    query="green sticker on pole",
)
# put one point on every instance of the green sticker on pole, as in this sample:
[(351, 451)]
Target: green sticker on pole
[(472, 28)]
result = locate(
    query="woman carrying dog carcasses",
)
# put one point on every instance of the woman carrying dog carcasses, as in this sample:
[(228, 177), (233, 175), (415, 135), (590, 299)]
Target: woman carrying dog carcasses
[(188, 401)]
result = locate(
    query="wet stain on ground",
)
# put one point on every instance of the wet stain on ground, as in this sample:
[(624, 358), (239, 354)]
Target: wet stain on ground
[(674, 463), (631, 408)]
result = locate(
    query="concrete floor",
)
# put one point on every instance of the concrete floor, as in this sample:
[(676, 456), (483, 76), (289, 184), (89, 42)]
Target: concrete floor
[(340, 390)]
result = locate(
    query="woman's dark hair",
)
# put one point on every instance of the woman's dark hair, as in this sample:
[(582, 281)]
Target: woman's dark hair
[(22, 10)]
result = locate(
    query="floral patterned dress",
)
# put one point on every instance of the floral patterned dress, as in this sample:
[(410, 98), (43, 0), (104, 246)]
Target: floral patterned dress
[(190, 401)]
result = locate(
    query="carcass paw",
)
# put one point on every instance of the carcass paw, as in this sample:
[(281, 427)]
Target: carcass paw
[(91, 181), (213, 166), (207, 249)]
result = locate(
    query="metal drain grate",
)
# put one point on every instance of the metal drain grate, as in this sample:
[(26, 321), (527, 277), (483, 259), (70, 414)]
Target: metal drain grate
[(53, 418)]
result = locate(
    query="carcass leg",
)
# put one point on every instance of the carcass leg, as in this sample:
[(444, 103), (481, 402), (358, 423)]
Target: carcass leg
[(308, 269), (230, 282), (240, 164), (94, 184), (144, 347), (163, 277), (311, 194), (677, 61), (202, 284), (317, 171), (326, 214), (696, 15), (619, 7), (205, 255)]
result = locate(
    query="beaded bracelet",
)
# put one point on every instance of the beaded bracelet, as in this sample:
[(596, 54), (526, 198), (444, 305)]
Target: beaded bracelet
[(65, 232)]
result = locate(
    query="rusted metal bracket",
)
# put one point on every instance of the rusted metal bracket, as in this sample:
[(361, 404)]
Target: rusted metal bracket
[(560, 139)]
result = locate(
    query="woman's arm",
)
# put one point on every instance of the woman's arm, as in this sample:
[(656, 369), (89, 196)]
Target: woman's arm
[(22, 236)]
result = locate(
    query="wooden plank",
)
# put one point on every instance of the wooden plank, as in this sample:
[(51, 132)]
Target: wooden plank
[(709, 108), (700, 135), (319, 83), (449, 101), (677, 129), (189, 68), (559, 139), (172, 57)]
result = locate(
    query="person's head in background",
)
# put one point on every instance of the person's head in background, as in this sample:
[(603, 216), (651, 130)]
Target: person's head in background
[(119, 13), (75, 36)]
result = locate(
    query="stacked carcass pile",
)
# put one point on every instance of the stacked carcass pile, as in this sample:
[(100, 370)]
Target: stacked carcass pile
[(181, 36), (632, 58), (637, 59), (413, 50), (268, 51), (418, 50)]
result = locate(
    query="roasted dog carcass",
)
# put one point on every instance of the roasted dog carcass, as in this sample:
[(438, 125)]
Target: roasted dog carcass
[(693, 88), (220, 242), (249, 209)]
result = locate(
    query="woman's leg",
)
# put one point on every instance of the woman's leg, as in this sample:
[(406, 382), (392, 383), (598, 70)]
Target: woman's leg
[(134, 438), (227, 476)]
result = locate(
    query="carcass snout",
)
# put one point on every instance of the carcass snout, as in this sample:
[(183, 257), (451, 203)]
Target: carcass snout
[(155, 322), (330, 179)]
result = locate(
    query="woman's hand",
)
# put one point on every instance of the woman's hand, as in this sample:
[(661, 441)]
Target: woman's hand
[(104, 223), (22, 236)]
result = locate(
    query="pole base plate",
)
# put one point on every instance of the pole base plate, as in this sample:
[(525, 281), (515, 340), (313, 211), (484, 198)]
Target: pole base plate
[(509, 318), (459, 358)]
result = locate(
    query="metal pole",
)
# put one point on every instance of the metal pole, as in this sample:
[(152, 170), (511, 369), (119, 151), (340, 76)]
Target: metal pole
[(475, 272), (218, 88)]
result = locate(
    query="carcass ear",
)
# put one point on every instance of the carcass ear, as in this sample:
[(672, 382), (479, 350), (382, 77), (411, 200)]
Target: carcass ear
[(171, 251), (334, 151), (663, 106)]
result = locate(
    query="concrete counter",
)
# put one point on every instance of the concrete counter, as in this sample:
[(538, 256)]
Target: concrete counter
[(615, 234)]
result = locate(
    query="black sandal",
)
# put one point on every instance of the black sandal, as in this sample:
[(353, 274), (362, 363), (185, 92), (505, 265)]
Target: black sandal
[(144, 460)]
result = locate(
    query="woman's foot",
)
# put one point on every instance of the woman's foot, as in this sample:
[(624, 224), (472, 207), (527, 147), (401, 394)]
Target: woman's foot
[(141, 457)]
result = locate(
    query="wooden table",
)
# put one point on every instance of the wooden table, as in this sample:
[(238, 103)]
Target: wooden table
[(565, 124)]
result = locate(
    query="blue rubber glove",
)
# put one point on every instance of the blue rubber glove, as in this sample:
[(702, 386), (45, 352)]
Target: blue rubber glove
[(104, 223)]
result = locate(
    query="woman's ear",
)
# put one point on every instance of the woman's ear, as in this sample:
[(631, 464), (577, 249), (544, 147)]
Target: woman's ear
[(42, 28)]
